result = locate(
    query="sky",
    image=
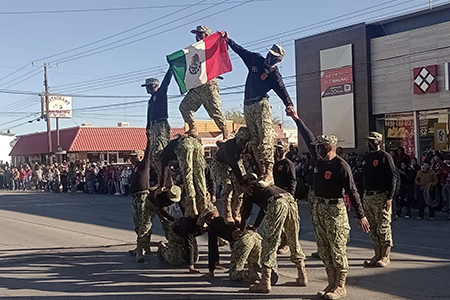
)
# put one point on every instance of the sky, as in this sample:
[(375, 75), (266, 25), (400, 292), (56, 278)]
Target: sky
[(108, 48)]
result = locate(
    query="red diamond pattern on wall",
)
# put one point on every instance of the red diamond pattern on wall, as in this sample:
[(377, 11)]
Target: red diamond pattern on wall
[(425, 79)]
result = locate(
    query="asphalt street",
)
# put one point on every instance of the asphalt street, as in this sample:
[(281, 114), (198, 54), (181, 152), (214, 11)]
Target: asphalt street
[(57, 246)]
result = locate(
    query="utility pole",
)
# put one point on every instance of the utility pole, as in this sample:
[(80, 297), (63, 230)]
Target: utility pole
[(47, 116)]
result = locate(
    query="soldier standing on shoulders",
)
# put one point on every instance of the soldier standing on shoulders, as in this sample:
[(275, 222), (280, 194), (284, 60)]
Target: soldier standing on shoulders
[(263, 76), (332, 177), (157, 121), (379, 179), (206, 95)]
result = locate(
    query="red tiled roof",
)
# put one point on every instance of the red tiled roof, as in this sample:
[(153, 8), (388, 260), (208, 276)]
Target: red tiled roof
[(86, 139)]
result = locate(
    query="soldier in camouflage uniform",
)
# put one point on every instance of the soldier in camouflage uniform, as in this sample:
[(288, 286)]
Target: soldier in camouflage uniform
[(280, 211), (189, 153), (263, 76), (157, 118), (332, 177), (245, 248), (228, 169), (206, 95), (380, 180)]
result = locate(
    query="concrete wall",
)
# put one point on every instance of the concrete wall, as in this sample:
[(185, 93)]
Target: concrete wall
[(393, 59), (307, 60)]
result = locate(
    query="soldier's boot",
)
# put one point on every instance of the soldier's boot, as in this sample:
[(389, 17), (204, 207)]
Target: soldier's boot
[(264, 286), (132, 252), (192, 130), (140, 251), (385, 257), (274, 277), (146, 245), (331, 279), (253, 272), (266, 178), (250, 277), (227, 212), (302, 278), (161, 249), (338, 290), (372, 262), (190, 208), (236, 209), (315, 254)]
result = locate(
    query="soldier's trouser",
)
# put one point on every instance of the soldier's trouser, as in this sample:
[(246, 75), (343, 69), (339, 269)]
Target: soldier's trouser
[(246, 249), (281, 213), (208, 96), (332, 234), (192, 162), (175, 253), (312, 201), (258, 118), (231, 192), (159, 138), (143, 214), (379, 219)]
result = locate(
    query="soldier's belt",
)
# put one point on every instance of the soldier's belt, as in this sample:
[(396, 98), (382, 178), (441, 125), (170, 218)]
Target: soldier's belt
[(371, 193), (254, 100), (333, 201)]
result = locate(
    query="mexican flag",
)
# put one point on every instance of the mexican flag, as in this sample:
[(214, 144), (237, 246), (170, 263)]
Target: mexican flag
[(200, 62)]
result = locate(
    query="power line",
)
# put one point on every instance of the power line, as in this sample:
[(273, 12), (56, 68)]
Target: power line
[(86, 53), (109, 9), (233, 55)]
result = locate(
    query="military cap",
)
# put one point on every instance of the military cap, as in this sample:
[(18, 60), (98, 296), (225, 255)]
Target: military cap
[(373, 135), (150, 81), (174, 193), (243, 134), (277, 50), (326, 139), (137, 153), (201, 29), (282, 145)]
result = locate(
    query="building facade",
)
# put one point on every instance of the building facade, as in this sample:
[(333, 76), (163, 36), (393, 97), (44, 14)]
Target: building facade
[(390, 76)]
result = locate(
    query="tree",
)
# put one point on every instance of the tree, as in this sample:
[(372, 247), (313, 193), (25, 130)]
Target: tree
[(237, 117)]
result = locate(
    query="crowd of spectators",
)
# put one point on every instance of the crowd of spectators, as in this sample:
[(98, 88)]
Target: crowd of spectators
[(417, 186), (74, 177)]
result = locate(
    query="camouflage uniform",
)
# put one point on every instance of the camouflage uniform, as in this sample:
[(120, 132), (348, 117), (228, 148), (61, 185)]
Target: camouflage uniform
[(246, 249), (281, 213), (312, 201), (231, 192), (159, 138), (379, 219), (175, 253), (208, 96), (190, 155), (143, 214), (258, 118), (332, 234)]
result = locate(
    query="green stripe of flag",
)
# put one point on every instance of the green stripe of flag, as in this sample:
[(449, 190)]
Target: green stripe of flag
[(177, 61)]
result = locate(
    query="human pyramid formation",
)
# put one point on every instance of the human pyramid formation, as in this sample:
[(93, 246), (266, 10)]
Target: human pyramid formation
[(253, 256)]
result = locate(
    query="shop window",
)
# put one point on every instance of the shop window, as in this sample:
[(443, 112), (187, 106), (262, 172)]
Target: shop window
[(399, 132), (433, 130)]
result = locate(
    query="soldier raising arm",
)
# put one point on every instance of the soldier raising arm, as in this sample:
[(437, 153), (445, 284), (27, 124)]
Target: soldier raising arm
[(332, 176)]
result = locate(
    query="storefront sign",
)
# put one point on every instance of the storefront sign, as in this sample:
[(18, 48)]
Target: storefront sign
[(425, 79), (60, 106), (337, 81), (399, 129), (440, 136), (338, 116)]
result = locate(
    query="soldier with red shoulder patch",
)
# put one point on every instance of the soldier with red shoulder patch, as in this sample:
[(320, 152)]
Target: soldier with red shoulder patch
[(332, 178), (379, 180)]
